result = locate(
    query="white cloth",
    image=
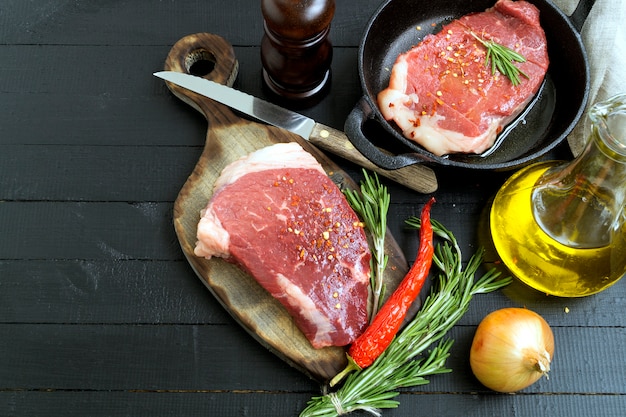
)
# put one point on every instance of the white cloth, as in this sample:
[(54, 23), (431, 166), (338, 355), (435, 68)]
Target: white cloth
[(604, 37)]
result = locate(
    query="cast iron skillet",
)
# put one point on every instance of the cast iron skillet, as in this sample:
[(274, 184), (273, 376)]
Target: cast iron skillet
[(555, 111)]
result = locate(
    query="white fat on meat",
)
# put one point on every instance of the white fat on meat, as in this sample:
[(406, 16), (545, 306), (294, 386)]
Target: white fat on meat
[(298, 300), (280, 155), (213, 239)]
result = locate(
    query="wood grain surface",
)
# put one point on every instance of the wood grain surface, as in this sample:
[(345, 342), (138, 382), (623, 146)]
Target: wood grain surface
[(100, 312), (230, 137)]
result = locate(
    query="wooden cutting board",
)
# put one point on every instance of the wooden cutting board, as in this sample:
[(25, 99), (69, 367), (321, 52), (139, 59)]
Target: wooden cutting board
[(228, 138)]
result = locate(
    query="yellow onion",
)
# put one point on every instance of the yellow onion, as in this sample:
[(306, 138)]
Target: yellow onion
[(512, 349)]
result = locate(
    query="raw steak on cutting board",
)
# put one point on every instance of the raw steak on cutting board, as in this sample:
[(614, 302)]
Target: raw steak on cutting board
[(278, 215), (443, 96)]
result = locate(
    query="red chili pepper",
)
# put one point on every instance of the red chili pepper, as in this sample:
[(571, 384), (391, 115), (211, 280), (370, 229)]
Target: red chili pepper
[(379, 334)]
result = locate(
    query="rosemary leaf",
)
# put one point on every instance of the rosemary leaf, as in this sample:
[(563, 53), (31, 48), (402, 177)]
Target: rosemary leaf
[(502, 58), (406, 362), (372, 206)]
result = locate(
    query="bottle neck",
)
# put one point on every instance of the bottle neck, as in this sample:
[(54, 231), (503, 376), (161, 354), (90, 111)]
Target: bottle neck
[(580, 204)]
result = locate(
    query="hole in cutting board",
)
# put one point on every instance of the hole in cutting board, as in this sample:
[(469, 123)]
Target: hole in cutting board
[(200, 62)]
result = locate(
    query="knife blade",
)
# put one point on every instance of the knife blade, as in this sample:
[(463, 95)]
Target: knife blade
[(416, 177)]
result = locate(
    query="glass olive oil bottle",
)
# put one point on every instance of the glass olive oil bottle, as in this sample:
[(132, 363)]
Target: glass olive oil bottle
[(561, 227)]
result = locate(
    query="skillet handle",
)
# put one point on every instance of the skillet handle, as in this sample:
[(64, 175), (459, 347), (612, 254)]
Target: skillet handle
[(580, 14), (353, 128)]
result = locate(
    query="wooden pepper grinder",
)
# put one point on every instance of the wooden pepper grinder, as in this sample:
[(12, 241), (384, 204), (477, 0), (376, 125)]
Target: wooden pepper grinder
[(296, 52)]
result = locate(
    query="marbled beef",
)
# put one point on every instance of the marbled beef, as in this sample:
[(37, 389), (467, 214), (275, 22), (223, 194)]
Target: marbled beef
[(443, 96), (279, 216)]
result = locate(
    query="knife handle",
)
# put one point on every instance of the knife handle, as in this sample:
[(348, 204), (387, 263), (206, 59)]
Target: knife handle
[(416, 177)]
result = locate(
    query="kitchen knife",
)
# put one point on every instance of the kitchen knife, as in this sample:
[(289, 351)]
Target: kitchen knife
[(417, 177)]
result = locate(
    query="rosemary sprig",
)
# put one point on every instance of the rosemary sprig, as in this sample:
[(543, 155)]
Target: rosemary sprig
[(502, 59), (372, 206), (406, 362)]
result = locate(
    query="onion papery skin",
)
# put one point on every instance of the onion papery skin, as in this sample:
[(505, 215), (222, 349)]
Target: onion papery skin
[(512, 349)]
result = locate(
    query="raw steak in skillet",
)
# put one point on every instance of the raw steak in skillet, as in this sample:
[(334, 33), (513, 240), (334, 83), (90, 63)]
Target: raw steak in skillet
[(279, 216), (443, 96)]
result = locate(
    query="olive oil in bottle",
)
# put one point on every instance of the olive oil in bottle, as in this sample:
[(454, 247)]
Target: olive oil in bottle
[(561, 227), (541, 261)]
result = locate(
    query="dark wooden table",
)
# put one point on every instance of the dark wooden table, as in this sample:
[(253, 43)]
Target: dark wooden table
[(100, 314)]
